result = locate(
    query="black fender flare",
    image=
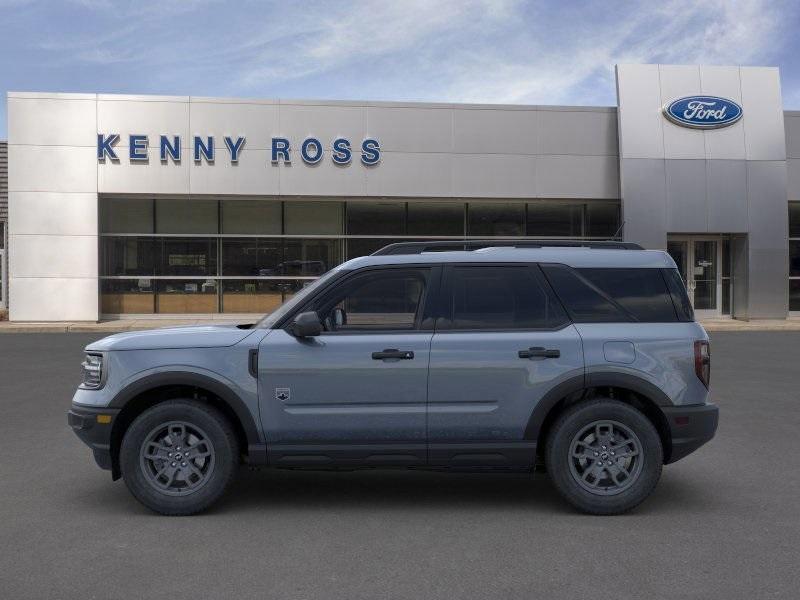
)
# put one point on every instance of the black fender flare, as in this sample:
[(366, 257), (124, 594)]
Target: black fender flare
[(590, 380), (255, 443)]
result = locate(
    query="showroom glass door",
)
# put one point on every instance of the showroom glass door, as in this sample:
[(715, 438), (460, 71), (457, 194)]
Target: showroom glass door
[(698, 260)]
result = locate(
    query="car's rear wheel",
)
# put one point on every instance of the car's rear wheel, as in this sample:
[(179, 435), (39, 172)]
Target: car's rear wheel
[(179, 457), (604, 456)]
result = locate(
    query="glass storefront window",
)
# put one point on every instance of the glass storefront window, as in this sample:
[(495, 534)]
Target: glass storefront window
[(794, 258), (496, 218), (126, 215), (256, 296), (189, 256), (602, 219), (176, 296), (129, 255), (132, 296), (309, 257), (366, 246), (551, 219), (195, 215), (204, 238), (435, 218), (257, 217), (313, 218), (794, 219), (794, 294), (371, 218)]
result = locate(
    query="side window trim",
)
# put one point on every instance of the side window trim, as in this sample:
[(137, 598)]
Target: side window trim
[(443, 322)]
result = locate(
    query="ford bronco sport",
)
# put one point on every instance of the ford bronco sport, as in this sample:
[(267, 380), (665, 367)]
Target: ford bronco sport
[(580, 358)]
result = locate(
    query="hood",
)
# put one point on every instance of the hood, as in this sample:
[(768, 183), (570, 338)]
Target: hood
[(193, 336)]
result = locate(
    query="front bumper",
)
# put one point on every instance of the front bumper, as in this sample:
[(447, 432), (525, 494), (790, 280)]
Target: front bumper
[(690, 427), (93, 426)]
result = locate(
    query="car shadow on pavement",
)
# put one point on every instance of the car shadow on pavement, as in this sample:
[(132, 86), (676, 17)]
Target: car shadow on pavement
[(316, 491)]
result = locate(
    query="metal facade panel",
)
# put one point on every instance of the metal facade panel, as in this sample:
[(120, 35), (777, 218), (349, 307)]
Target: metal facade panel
[(495, 131), (728, 142), (792, 125), (678, 82), (727, 196), (762, 106), (639, 99), (577, 176), (49, 122), (3, 181), (644, 207), (686, 196), (582, 133), (769, 219), (793, 175), (494, 175)]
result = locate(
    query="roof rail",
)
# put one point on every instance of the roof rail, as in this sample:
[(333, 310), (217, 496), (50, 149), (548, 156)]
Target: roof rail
[(455, 245)]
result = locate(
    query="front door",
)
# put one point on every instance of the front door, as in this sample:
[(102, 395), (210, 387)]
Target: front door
[(698, 260), (357, 392), (502, 343)]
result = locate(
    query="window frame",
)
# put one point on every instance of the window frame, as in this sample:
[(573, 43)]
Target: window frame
[(424, 319), (444, 324)]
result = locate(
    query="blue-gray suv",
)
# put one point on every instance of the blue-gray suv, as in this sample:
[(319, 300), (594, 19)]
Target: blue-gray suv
[(579, 358)]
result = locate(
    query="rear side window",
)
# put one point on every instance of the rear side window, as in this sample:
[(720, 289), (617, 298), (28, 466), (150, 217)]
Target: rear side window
[(613, 295), (492, 297), (680, 299)]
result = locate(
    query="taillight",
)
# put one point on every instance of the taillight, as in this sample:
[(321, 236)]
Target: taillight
[(702, 361)]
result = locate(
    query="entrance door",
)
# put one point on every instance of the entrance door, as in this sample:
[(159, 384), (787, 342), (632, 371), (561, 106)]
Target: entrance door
[(698, 260)]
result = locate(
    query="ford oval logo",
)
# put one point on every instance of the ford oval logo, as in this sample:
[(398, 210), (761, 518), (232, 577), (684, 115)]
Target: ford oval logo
[(703, 112)]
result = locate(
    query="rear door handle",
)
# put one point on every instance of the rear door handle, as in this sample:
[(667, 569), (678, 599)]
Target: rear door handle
[(393, 353), (539, 352)]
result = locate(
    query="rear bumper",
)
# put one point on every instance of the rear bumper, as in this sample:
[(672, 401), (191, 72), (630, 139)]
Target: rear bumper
[(690, 427), (96, 434)]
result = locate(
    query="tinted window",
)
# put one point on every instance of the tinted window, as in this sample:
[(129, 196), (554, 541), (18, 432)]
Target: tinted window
[(641, 292), (584, 301), (609, 295), (680, 299), (384, 300), (501, 298)]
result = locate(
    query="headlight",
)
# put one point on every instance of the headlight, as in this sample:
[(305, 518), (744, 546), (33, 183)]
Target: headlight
[(92, 368)]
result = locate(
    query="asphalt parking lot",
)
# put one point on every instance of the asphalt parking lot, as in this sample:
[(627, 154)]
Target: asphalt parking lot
[(723, 523)]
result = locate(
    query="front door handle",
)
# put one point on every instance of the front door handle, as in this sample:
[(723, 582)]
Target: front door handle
[(539, 352), (393, 353)]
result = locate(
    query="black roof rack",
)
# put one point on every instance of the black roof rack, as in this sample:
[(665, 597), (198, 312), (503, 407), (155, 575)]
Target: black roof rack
[(451, 245)]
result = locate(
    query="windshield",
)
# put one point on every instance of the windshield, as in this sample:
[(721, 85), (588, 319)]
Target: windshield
[(268, 321)]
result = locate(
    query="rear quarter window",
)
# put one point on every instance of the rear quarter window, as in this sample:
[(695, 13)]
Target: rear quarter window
[(613, 295)]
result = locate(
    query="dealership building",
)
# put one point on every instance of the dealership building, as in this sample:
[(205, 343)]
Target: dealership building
[(143, 206)]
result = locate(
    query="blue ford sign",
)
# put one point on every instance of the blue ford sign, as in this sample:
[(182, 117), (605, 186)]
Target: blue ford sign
[(703, 112)]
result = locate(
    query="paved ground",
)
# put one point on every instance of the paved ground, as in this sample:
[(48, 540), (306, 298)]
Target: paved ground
[(724, 523)]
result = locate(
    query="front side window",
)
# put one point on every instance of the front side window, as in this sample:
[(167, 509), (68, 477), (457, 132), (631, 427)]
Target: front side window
[(501, 298), (376, 300)]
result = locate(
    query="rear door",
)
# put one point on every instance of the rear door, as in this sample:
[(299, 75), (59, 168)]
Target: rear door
[(502, 342)]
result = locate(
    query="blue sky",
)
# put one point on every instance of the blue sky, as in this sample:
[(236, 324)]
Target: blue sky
[(503, 51)]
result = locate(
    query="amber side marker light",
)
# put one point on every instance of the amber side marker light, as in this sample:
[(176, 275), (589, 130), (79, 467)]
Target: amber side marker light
[(104, 419)]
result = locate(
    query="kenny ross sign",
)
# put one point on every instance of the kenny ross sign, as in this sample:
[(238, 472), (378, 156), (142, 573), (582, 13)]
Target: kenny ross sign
[(703, 112), (204, 148)]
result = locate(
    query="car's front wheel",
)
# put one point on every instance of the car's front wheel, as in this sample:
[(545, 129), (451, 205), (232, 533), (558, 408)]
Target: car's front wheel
[(179, 457), (604, 456)]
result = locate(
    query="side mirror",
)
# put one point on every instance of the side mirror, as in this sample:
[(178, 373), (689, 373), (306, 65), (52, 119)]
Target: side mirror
[(306, 324)]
